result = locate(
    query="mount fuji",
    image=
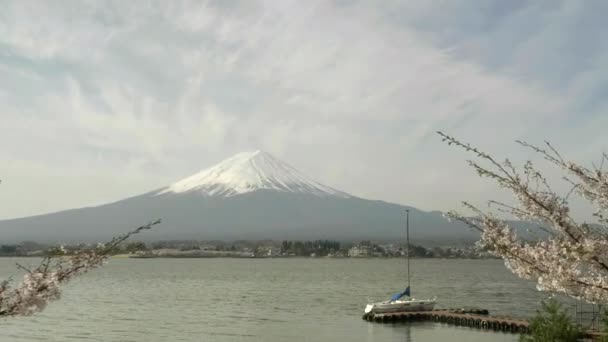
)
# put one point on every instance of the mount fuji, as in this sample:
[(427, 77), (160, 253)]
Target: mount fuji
[(249, 172), (252, 196)]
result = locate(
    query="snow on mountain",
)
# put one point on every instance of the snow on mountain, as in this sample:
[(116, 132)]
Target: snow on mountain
[(247, 172)]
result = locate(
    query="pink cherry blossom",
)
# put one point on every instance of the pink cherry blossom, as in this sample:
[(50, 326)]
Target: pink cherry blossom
[(573, 257), (42, 284)]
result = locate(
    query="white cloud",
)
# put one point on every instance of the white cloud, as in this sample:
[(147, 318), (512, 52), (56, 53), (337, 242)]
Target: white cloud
[(351, 94)]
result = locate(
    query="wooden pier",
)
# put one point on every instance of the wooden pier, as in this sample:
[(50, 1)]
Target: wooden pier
[(479, 319)]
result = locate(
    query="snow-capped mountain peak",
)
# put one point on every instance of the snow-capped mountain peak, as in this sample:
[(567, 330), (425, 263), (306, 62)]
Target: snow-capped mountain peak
[(247, 172)]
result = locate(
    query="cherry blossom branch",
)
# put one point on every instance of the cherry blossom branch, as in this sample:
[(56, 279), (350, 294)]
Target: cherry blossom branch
[(41, 285), (572, 259)]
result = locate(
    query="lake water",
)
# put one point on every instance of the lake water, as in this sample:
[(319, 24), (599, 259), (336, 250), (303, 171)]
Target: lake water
[(266, 300)]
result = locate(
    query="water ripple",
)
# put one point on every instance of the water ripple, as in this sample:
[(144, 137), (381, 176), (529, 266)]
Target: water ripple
[(264, 300)]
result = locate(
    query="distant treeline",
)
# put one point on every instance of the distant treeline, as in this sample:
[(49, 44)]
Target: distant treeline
[(265, 248), (306, 248)]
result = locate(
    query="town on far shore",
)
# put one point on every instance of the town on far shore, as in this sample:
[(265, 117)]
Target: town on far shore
[(253, 249)]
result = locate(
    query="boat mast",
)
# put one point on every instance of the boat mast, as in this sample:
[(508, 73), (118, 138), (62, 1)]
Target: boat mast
[(407, 237)]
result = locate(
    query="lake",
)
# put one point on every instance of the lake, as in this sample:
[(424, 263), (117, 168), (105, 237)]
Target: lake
[(266, 300)]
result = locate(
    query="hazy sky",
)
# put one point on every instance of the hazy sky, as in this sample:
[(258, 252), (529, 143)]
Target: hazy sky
[(104, 100)]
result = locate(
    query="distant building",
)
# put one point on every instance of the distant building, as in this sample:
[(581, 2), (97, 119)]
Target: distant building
[(359, 251), (267, 251), (392, 250)]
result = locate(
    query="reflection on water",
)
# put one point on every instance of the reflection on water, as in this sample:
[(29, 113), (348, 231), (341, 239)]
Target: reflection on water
[(427, 331), (266, 300)]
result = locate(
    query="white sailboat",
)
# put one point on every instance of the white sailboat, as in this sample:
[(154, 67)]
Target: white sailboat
[(396, 303)]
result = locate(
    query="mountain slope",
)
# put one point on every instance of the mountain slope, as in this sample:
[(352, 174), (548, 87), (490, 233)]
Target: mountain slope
[(249, 196)]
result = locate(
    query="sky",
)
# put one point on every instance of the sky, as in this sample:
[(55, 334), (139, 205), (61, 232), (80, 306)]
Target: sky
[(102, 100)]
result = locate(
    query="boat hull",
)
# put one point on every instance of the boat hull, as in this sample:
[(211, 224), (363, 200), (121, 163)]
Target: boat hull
[(400, 306)]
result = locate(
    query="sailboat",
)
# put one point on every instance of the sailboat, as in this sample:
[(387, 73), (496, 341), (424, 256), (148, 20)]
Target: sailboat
[(397, 303)]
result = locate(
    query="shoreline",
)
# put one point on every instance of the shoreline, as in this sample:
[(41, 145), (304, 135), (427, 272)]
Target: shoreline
[(290, 257), (133, 256)]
